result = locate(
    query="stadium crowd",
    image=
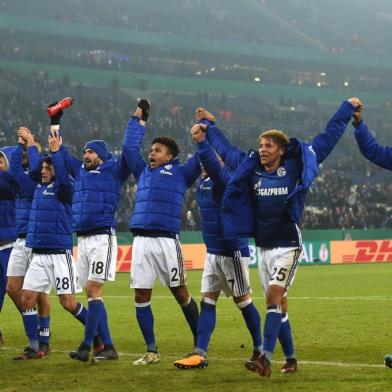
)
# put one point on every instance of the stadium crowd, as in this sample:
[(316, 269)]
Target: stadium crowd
[(154, 60), (341, 197)]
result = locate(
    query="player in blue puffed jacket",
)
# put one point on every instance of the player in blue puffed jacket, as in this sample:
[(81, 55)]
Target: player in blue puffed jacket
[(226, 263), (265, 199), (98, 181), (25, 170), (49, 236), (374, 152), (155, 224), (8, 190)]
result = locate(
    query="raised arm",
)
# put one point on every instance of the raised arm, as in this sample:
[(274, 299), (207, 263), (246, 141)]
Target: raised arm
[(121, 168), (25, 183), (130, 160), (33, 154), (370, 149), (230, 154), (133, 137), (207, 156), (325, 142), (71, 164), (64, 185), (192, 170)]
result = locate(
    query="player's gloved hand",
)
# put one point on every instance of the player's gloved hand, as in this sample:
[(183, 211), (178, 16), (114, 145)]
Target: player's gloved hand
[(145, 106), (55, 120)]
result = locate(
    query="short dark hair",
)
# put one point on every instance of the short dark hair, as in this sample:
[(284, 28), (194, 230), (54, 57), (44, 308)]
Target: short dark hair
[(47, 160), (169, 142)]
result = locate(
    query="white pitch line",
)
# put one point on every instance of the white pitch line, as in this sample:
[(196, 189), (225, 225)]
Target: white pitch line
[(335, 298), (240, 360)]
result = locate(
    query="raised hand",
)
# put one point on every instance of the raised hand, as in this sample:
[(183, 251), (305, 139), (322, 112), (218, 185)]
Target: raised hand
[(55, 141), (357, 116), (25, 136), (197, 133), (201, 113), (356, 102), (144, 105)]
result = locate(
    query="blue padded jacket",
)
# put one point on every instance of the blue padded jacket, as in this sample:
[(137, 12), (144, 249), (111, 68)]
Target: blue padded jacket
[(50, 218), (209, 196), (97, 191), (26, 185), (239, 202), (161, 191), (8, 190)]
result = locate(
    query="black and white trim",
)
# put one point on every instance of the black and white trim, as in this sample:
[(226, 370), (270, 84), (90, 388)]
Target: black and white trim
[(108, 258), (70, 270), (180, 262), (293, 269), (238, 273)]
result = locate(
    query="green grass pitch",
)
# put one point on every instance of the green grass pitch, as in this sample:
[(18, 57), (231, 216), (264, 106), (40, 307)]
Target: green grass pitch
[(341, 318)]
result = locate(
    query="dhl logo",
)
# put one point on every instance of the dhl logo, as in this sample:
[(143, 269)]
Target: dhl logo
[(368, 251)]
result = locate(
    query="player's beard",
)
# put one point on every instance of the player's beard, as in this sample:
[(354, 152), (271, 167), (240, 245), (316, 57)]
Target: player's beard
[(90, 165)]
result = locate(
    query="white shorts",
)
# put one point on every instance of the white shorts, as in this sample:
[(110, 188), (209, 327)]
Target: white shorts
[(278, 266), (19, 259), (97, 258), (229, 274), (56, 270), (156, 257)]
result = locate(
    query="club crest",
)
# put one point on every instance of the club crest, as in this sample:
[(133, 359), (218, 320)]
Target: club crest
[(281, 172)]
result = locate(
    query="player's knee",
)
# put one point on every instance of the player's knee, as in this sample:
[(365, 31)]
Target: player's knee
[(181, 294), (13, 290), (274, 295), (142, 295), (28, 301), (94, 289), (183, 299), (68, 302)]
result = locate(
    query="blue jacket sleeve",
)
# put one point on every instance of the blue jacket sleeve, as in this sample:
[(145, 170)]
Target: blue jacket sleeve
[(71, 164), (34, 163), (121, 168), (133, 137), (230, 154), (210, 163), (192, 170), (370, 149), (324, 143), (64, 185), (25, 183)]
